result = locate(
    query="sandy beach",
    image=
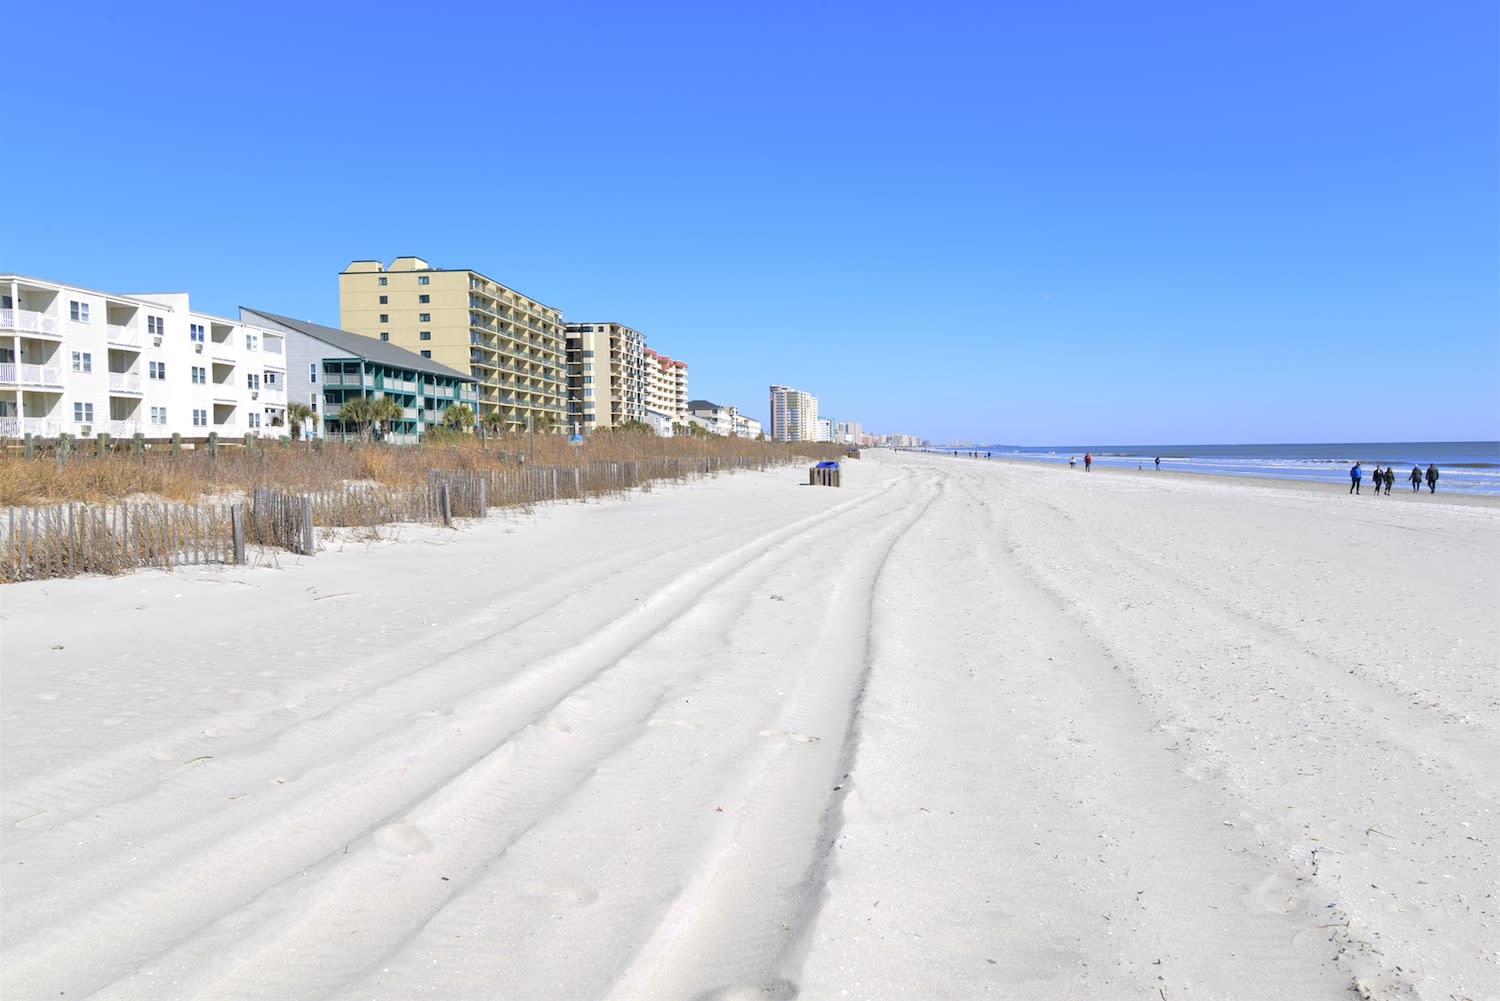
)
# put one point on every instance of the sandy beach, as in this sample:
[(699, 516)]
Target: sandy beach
[(956, 729)]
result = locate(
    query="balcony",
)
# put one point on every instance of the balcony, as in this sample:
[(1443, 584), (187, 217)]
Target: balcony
[(31, 376), (27, 321), (122, 429), (124, 382), (123, 335)]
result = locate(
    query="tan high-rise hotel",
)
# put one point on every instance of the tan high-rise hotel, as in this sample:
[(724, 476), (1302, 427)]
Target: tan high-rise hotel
[(513, 345)]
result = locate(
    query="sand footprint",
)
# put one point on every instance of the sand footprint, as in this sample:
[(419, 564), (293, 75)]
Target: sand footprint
[(772, 990)]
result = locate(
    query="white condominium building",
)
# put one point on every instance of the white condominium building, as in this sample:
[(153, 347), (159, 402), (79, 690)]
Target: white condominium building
[(794, 414), (82, 362)]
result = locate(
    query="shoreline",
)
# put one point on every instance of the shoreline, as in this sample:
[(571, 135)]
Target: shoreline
[(1272, 482)]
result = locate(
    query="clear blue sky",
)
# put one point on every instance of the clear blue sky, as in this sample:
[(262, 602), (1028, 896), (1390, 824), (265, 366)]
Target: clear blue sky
[(1033, 224)]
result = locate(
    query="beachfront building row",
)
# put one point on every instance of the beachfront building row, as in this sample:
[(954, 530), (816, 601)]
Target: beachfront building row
[(794, 415), (533, 370), (82, 362)]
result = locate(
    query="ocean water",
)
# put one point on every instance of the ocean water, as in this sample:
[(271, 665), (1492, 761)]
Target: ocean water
[(1470, 467)]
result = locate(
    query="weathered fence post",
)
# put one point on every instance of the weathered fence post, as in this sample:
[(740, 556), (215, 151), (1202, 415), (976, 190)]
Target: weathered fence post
[(484, 504), (237, 529), (176, 443), (138, 445), (26, 446), (445, 504), (307, 526), (213, 444), (102, 442), (64, 446)]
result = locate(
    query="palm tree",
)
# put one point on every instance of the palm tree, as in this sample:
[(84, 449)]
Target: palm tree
[(459, 417), (365, 412), (296, 415), (384, 410), (494, 422)]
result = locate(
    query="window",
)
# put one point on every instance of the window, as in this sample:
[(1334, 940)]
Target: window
[(421, 279), (424, 297), (424, 317), (381, 280), (200, 418), (385, 318), (588, 393), (83, 361), (195, 333), (252, 380), (156, 325), (254, 420), (426, 354), (252, 343), (83, 413), (385, 300), (588, 379), (78, 311), (385, 335), (158, 370), (272, 379), (158, 415), (312, 372), (425, 335)]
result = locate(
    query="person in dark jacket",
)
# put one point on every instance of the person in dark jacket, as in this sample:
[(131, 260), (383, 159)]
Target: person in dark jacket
[(1416, 479), (1432, 478), (1378, 478), (1390, 479)]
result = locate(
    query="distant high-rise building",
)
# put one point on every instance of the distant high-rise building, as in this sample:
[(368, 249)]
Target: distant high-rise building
[(511, 344), (794, 414)]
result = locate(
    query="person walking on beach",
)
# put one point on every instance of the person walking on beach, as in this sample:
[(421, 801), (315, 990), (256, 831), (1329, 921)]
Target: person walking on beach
[(1379, 475), (1390, 479), (1088, 461), (1416, 479), (1158, 463), (1354, 474), (1072, 462), (1432, 478)]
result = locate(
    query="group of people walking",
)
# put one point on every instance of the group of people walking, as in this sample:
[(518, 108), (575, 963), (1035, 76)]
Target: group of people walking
[(1387, 478)]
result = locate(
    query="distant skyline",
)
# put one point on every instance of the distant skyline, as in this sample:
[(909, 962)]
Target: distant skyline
[(1081, 223)]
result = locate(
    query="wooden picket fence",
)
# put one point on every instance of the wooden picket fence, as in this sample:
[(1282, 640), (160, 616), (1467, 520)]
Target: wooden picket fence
[(69, 539), (64, 540)]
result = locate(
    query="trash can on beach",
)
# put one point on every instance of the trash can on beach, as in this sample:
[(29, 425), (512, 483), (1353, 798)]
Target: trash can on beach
[(824, 474)]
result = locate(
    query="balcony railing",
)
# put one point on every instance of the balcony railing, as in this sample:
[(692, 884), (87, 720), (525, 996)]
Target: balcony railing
[(30, 375), (29, 321), (120, 382), (16, 427), (117, 333)]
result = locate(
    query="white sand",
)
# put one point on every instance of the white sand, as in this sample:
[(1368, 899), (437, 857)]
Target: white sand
[(957, 729)]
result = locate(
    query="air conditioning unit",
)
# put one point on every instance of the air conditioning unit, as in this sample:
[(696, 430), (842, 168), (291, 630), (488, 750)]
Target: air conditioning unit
[(254, 394), (85, 430), (156, 339), (198, 347)]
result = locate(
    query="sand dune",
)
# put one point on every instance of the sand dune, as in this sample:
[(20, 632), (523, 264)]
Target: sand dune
[(956, 729)]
